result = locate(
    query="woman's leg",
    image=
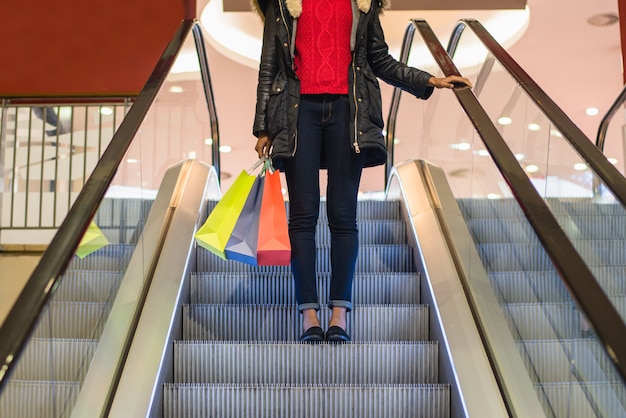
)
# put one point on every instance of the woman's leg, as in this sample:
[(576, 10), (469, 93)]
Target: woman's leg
[(344, 174), (302, 175)]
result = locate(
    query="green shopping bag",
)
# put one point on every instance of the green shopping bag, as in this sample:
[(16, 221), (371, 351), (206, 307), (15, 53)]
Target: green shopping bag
[(92, 241), (217, 229)]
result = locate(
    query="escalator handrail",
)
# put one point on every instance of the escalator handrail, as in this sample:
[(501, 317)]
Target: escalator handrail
[(23, 317), (210, 99), (579, 280), (594, 156), (606, 120)]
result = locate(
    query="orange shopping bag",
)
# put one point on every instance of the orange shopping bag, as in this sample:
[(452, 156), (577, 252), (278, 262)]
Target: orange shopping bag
[(273, 247)]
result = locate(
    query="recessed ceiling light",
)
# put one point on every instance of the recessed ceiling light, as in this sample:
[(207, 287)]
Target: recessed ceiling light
[(556, 133), (532, 168), (208, 141), (592, 111), (534, 127), (613, 161), (519, 157), (463, 146), (483, 152), (106, 111), (494, 196), (176, 89), (225, 148), (504, 120), (580, 166), (132, 161)]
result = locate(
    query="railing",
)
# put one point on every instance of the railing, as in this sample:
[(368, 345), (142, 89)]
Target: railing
[(128, 167), (49, 149)]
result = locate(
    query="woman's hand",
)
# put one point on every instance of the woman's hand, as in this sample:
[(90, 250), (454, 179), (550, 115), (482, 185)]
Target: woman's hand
[(449, 82), (263, 145)]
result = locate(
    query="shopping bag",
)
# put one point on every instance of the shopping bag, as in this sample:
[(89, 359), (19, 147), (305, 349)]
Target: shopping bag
[(273, 247), (217, 229), (92, 241), (242, 244)]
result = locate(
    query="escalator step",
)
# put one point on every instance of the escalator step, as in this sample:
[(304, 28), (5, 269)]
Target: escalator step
[(55, 360), (113, 257), (567, 361), (88, 286), (76, 320), (38, 399), (297, 363), (289, 401), (371, 258), (282, 323), (277, 289)]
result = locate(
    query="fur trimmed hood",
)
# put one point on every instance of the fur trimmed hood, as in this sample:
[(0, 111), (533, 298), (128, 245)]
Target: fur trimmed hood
[(295, 6)]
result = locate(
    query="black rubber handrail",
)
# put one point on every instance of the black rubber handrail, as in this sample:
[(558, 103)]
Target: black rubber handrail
[(594, 156), (606, 120), (210, 99), (579, 280), (47, 275)]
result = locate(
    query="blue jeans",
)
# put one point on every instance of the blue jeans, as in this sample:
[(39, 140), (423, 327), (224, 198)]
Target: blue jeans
[(323, 134)]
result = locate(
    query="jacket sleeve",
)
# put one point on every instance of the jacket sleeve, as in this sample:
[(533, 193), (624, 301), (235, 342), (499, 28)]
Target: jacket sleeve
[(389, 69), (267, 69)]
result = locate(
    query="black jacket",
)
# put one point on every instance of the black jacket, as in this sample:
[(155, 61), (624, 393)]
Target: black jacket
[(278, 90)]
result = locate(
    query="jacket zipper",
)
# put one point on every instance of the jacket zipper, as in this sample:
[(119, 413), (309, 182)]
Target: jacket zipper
[(357, 149), (282, 16)]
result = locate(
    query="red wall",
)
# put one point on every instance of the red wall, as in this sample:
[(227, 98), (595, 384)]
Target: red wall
[(84, 48)]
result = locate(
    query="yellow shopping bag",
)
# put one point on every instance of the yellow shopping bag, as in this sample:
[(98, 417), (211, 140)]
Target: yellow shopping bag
[(217, 229), (92, 241)]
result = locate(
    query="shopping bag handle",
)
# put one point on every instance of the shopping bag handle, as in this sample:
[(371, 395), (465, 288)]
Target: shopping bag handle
[(262, 160)]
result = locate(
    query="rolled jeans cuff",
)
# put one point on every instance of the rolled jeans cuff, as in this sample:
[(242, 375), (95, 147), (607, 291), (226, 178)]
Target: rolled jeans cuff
[(340, 304), (304, 306)]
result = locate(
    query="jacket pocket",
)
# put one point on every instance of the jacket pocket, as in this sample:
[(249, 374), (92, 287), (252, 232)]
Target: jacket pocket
[(277, 106), (373, 98)]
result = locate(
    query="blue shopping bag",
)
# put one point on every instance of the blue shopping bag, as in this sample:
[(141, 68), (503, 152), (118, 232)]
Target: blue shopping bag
[(242, 244)]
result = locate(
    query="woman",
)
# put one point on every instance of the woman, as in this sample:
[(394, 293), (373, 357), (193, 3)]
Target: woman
[(319, 107)]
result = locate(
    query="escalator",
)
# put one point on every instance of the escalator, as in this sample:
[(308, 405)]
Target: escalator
[(49, 377), (241, 328), (510, 244), (459, 311), (566, 363)]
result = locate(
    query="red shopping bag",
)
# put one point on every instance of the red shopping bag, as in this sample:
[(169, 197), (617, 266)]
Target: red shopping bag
[(273, 246)]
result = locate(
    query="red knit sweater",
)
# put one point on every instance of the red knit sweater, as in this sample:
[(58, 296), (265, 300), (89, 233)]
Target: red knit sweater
[(322, 55)]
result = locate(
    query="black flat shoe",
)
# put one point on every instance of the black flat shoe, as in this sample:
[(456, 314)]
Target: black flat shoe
[(337, 334), (313, 335)]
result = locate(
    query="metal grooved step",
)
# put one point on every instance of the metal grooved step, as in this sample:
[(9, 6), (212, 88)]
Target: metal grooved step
[(291, 401), (572, 374), (49, 374), (241, 357)]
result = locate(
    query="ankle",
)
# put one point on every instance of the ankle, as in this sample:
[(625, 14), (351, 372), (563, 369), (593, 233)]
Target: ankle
[(309, 319), (338, 318)]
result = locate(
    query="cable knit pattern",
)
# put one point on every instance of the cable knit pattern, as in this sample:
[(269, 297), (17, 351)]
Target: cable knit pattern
[(323, 52)]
